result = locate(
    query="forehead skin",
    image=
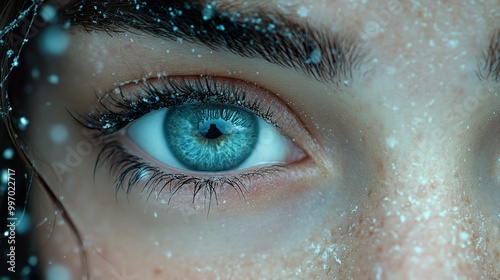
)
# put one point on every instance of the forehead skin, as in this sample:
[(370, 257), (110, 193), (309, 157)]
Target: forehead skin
[(422, 216)]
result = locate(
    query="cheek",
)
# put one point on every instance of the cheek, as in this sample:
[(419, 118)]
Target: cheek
[(123, 238)]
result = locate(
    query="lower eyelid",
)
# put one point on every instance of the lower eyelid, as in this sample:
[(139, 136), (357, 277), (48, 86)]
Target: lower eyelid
[(175, 190)]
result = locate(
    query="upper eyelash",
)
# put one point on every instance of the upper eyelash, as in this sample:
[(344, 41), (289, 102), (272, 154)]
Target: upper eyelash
[(171, 93)]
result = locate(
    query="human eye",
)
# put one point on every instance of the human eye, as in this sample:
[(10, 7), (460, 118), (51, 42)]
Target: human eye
[(206, 138)]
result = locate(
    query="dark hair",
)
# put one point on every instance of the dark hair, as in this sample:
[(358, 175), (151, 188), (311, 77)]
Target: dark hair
[(25, 267), (16, 25)]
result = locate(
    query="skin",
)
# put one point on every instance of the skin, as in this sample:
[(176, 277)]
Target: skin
[(401, 176)]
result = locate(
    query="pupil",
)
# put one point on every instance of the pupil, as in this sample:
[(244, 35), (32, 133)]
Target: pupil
[(213, 132)]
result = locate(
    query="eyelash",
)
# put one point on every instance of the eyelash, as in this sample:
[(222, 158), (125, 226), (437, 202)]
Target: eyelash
[(130, 170), (173, 92)]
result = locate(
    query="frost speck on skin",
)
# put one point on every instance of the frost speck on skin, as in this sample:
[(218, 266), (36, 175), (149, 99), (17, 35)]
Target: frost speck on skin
[(464, 236), (303, 12), (58, 272), (453, 44), (392, 142), (100, 66)]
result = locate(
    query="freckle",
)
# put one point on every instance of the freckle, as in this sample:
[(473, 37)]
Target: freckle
[(157, 271), (379, 165)]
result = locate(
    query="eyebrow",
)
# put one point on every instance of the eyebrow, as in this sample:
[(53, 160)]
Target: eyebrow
[(327, 56)]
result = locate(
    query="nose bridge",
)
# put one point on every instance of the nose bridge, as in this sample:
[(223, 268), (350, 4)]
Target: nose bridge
[(419, 222)]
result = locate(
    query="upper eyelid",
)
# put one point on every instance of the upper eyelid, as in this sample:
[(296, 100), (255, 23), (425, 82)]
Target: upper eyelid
[(113, 106)]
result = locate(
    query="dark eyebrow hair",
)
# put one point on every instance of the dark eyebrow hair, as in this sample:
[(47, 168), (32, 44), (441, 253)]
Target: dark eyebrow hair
[(325, 55), (490, 69)]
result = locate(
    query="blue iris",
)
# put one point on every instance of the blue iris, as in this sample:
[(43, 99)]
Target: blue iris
[(211, 137)]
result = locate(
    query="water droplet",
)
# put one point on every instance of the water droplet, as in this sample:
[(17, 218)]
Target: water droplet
[(8, 153), (315, 57), (10, 53), (54, 41), (59, 133), (35, 73), (26, 271), (23, 123), (24, 223), (54, 79), (33, 260), (48, 13), (5, 176), (208, 12)]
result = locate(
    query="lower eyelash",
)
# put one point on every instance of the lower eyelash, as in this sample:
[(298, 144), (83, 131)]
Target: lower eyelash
[(131, 170)]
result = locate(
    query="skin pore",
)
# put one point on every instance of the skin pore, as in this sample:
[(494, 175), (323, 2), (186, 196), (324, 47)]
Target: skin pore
[(400, 177)]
